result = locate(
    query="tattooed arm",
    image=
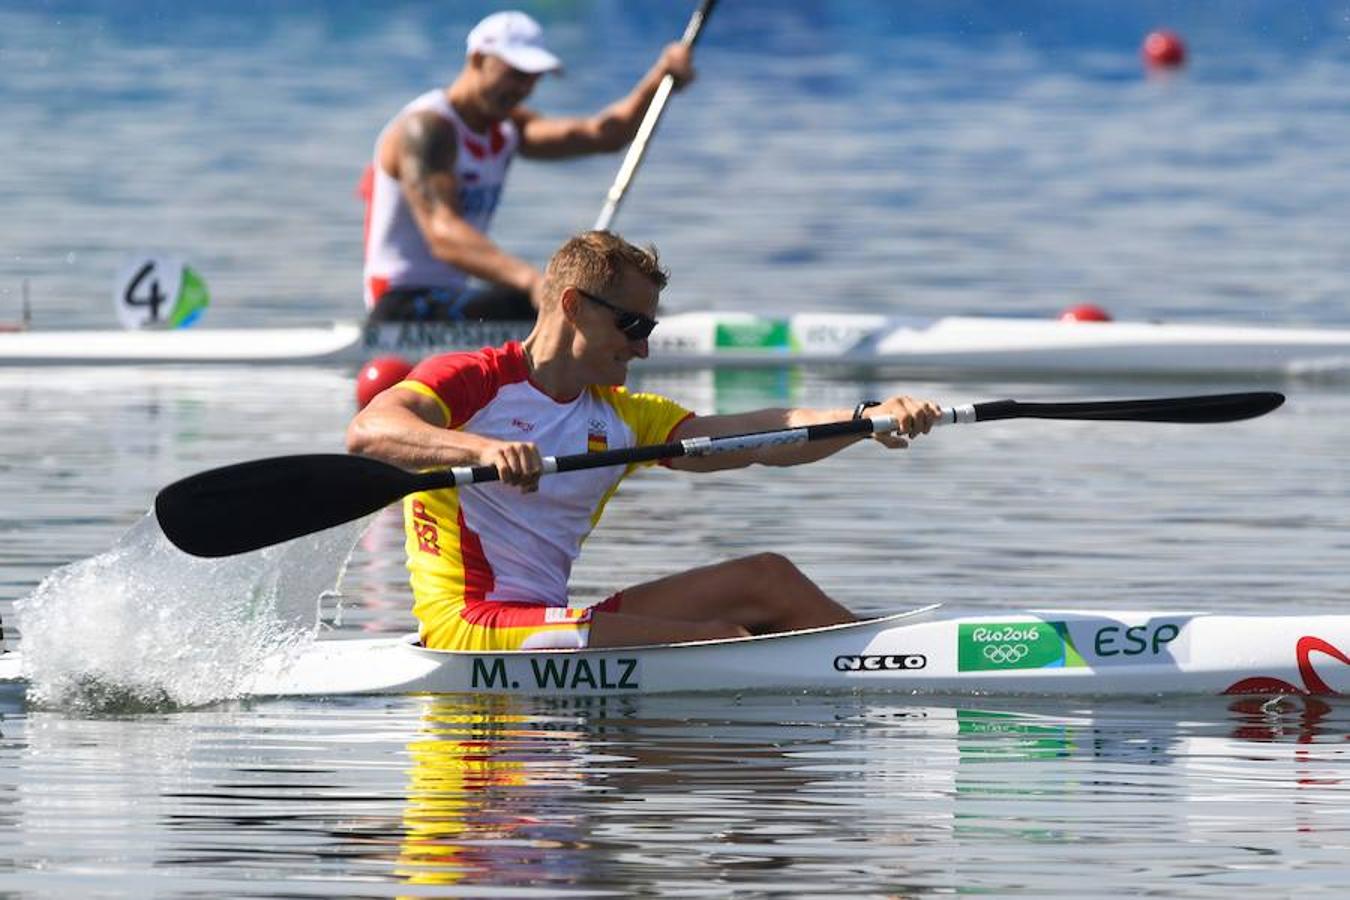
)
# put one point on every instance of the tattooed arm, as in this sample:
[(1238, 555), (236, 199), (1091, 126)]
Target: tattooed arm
[(421, 155)]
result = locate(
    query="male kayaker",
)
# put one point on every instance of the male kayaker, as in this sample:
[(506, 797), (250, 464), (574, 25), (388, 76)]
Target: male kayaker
[(490, 562), (441, 162)]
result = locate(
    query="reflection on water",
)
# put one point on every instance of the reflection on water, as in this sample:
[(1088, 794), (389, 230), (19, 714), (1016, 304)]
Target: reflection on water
[(476, 808), (670, 795)]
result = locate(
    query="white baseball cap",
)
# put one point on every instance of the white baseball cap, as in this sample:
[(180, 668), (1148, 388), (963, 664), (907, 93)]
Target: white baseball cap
[(516, 39)]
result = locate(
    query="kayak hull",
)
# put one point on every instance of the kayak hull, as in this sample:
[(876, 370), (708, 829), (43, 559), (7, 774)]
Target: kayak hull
[(950, 346), (923, 651), (1065, 652)]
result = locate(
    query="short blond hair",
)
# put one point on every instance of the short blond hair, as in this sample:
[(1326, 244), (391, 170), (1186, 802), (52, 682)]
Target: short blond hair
[(594, 261)]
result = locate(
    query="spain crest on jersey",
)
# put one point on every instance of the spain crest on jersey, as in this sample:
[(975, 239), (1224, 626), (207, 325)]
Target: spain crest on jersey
[(597, 440)]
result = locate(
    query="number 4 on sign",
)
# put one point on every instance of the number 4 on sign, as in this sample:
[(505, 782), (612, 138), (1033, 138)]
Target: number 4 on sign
[(158, 292), (153, 298)]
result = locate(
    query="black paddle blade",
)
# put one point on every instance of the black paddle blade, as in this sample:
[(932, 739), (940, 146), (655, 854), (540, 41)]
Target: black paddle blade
[(255, 504), (1203, 409)]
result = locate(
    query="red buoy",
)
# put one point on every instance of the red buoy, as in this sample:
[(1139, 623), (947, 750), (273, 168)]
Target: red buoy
[(1085, 312), (1163, 49), (380, 373)]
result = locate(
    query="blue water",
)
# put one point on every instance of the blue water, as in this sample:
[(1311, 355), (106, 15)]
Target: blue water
[(932, 157), (923, 157)]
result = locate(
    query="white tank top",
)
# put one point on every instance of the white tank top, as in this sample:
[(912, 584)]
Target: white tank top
[(396, 253)]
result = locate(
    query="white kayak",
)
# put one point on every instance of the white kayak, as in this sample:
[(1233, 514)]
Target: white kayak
[(1032, 652), (948, 346)]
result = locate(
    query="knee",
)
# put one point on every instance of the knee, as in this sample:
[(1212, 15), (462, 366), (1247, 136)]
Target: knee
[(770, 569)]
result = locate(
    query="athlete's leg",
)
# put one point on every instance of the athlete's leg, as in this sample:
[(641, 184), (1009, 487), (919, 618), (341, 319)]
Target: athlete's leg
[(757, 594), (625, 630)]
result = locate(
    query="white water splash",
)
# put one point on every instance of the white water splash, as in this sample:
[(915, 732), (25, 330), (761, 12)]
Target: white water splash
[(145, 625)]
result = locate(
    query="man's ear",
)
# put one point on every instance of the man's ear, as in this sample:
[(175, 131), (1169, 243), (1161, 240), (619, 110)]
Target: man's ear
[(569, 301)]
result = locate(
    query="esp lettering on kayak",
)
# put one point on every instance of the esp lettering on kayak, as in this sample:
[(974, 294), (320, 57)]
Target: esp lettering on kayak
[(1135, 640)]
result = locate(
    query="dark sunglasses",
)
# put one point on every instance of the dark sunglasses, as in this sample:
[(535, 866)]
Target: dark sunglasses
[(635, 326)]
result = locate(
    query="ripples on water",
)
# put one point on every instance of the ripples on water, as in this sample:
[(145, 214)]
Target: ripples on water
[(928, 158)]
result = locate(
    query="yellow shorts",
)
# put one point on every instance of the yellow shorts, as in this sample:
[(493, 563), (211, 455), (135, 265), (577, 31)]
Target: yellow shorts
[(491, 625)]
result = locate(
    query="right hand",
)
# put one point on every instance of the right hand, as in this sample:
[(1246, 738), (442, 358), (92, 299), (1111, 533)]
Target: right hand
[(914, 417), (518, 463), (677, 59)]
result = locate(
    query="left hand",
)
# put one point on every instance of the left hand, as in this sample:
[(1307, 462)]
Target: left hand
[(677, 60), (915, 417)]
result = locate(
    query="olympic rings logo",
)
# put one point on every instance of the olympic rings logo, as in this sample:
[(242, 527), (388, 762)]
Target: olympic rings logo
[(1005, 654)]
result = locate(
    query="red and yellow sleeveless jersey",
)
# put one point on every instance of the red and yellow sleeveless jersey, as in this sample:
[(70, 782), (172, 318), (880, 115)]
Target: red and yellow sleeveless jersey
[(490, 542)]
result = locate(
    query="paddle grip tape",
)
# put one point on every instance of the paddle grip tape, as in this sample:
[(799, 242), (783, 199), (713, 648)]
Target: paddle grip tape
[(959, 415), (884, 424), (464, 475), (479, 474)]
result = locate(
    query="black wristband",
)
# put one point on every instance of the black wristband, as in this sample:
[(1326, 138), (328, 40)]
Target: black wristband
[(863, 407)]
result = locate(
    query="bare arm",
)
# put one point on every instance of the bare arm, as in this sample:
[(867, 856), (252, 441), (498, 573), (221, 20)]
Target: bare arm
[(915, 417), (407, 429), (613, 127), (421, 154)]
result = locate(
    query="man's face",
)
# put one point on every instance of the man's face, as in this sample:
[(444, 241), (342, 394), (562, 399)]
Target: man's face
[(600, 345), (501, 88)]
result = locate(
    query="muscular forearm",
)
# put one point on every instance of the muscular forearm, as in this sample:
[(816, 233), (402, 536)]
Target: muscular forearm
[(612, 129), (400, 427), (469, 250), (765, 420), (390, 432), (914, 417), (797, 454)]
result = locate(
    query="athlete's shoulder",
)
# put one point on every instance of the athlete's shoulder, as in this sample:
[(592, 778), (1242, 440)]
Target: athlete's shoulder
[(652, 417), (506, 363), (466, 381)]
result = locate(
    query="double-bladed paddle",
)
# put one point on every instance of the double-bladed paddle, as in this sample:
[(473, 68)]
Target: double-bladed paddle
[(256, 504)]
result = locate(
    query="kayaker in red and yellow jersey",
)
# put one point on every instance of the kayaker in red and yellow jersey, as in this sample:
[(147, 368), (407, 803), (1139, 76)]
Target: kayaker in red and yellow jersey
[(440, 165), (490, 562)]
